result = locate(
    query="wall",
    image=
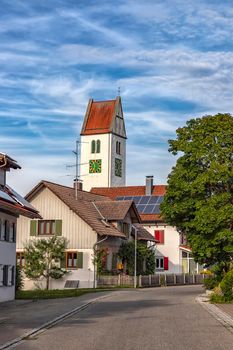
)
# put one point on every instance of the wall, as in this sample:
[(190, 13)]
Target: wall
[(80, 236), (170, 248), (7, 257)]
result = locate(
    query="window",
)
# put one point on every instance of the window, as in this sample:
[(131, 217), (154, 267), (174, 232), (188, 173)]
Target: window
[(71, 260), (159, 236), (98, 146), (162, 263), (126, 229), (118, 147), (20, 259), (93, 146), (8, 278), (46, 227), (12, 233), (118, 167)]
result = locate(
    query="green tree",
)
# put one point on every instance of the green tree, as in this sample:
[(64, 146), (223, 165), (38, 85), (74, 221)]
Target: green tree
[(42, 258), (145, 258), (199, 198)]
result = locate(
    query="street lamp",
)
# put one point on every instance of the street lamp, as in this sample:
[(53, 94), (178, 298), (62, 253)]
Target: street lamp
[(135, 256)]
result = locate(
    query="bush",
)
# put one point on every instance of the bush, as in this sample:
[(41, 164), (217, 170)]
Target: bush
[(18, 278), (211, 282), (227, 286)]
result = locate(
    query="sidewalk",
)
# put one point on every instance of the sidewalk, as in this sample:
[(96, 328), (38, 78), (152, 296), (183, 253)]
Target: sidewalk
[(21, 316), (227, 308)]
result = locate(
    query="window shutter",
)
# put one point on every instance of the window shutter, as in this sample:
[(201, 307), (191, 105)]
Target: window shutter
[(7, 230), (5, 275), (14, 232), (159, 236), (58, 227), (166, 263), (33, 227), (63, 262), (80, 260), (13, 276)]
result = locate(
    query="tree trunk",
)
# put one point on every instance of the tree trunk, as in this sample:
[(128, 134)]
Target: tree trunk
[(47, 282)]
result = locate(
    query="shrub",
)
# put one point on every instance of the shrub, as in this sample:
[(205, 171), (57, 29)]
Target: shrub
[(227, 286), (18, 278), (211, 282)]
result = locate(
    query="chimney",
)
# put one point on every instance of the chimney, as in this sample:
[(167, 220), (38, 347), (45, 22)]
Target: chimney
[(149, 185), (78, 184)]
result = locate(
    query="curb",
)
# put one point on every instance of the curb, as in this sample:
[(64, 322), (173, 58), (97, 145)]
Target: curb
[(225, 319), (49, 324)]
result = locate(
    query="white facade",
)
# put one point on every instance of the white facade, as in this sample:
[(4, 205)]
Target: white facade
[(7, 257), (107, 177)]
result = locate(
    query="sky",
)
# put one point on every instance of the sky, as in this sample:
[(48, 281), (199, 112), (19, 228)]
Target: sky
[(172, 59)]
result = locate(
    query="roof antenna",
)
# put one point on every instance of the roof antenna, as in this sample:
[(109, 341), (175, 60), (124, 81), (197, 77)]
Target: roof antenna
[(119, 91)]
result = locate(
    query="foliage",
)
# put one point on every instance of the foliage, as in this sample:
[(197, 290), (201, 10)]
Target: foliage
[(199, 196), (145, 258), (18, 278), (211, 282), (100, 259), (227, 286), (42, 258)]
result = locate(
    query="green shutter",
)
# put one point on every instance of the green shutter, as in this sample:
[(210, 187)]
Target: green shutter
[(58, 227), (80, 260), (63, 262), (33, 227)]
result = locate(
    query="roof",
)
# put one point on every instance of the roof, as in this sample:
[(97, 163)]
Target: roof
[(117, 210), (13, 202), (114, 192), (7, 162), (100, 118), (143, 234), (84, 206)]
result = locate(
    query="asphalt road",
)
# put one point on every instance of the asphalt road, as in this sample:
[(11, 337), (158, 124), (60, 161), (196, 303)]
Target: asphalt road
[(157, 318)]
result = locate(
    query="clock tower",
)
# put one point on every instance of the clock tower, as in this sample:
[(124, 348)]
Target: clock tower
[(103, 145)]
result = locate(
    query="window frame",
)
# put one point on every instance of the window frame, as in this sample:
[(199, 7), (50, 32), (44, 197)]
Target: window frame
[(73, 266), (52, 227), (159, 259)]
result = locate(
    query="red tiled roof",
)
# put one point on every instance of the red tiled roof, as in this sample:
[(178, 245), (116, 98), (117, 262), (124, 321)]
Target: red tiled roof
[(113, 192), (99, 117)]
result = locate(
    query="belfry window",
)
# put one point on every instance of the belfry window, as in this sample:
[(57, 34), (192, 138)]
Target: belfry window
[(98, 146), (118, 147), (93, 146)]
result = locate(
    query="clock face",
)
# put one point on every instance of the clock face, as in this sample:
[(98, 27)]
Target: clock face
[(95, 166), (118, 167)]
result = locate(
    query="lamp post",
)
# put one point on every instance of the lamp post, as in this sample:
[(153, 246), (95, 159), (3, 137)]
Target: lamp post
[(135, 257)]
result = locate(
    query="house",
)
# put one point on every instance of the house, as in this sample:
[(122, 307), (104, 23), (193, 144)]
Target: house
[(172, 253), (11, 206), (88, 221)]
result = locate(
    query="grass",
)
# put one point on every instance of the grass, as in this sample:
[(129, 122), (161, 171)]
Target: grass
[(55, 293)]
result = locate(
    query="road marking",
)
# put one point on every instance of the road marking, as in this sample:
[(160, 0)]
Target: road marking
[(225, 319), (36, 331)]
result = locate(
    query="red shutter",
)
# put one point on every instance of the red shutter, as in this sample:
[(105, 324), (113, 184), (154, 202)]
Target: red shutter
[(159, 236), (166, 263)]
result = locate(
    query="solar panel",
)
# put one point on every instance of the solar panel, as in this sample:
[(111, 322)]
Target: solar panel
[(160, 199), (144, 199), (149, 209), (156, 209), (140, 208), (136, 199), (153, 200), (20, 199), (6, 196)]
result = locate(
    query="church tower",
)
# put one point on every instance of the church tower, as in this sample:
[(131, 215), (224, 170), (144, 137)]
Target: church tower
[(103, 145)]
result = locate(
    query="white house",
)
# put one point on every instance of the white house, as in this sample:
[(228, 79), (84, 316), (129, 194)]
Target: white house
[(11, 206), (88, 221)]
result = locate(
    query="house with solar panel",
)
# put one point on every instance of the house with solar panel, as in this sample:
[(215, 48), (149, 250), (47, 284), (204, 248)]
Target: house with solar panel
[(103, 169), (88, 221), (11, 206)]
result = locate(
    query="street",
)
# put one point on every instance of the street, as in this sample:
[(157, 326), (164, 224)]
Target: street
[(157, 318)]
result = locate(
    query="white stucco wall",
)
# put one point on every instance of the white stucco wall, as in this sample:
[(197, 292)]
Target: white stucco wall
[(7, 257), (169, 249)]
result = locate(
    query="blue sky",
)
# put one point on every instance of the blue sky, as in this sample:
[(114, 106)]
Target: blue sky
[(173, 60)]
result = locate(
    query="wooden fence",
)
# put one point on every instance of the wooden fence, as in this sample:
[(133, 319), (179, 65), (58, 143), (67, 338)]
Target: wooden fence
[(151, 280)]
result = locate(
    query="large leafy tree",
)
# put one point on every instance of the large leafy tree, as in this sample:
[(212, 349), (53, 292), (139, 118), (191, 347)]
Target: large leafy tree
[(199, 198), (42, 258)]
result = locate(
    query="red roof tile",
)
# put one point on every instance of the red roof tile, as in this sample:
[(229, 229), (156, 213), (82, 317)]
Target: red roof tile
[(113, 192), (99, 117)]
